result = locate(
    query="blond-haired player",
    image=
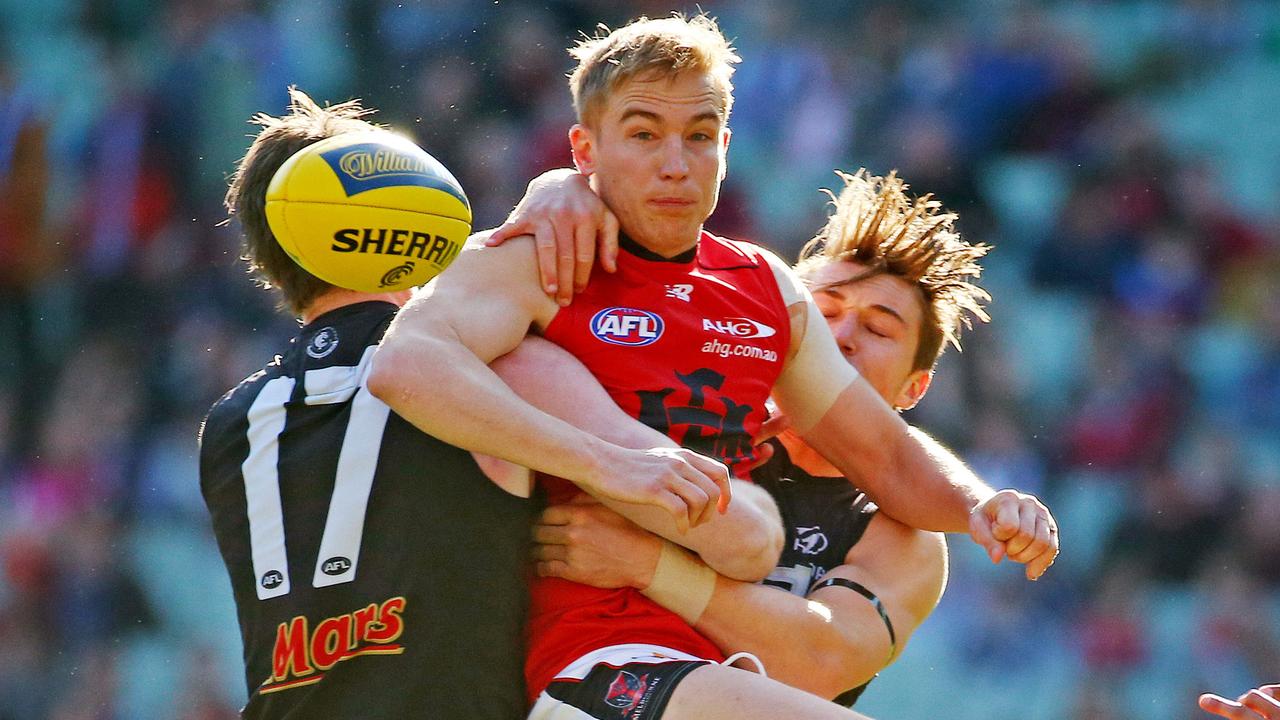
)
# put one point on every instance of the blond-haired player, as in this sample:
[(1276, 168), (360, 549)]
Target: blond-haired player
[(893, 280), (652, 138)]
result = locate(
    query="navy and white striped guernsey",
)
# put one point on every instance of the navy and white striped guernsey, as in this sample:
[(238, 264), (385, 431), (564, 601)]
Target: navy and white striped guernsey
[(377, 572)]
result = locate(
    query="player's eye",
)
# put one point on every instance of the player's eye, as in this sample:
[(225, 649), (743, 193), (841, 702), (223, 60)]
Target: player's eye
[(642, 135)]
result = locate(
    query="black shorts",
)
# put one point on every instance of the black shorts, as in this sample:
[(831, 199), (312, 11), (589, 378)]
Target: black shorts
[(636, 690)]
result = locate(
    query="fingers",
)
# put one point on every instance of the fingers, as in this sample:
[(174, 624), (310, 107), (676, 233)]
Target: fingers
[(1228, 708), (505, 232), (980, 531), (608, 238), (552, 568), (564, 240), (771, 428), (1041, 553), (764, 453), (584, 247), (546, 553), (696, 500), (1264, 704), (1007, 520), (1023, 542), (718, 474), (544, 240)]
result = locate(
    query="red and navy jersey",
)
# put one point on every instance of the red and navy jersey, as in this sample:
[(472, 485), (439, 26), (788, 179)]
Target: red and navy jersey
[(691, 347), (377, 572)]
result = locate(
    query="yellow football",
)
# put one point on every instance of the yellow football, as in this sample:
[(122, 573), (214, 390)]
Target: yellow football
[(368, 211)]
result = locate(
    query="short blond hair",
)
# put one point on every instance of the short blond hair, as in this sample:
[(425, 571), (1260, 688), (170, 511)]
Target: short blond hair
[(644, 47), (875, 223)]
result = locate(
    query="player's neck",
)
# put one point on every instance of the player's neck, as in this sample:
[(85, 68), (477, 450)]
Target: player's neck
[(338, 297), (670, 249), (643, 252)]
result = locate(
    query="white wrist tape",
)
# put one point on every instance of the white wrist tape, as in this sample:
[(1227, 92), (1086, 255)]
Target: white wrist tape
[(681, 583)]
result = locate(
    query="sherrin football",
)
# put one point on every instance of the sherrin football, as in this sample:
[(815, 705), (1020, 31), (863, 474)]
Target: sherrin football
[(368, 211)]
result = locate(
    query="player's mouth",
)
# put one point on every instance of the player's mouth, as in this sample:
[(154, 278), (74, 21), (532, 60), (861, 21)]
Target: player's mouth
[(671, 203)]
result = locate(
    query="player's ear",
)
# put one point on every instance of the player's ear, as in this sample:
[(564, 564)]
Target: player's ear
[(916, 385), (583, 144), (725, 134)]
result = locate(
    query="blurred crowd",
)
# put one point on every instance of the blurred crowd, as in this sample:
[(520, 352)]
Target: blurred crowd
[(1123, 157)]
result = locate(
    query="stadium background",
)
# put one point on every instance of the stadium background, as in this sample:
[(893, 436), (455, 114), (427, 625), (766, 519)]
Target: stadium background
[(1124, 157)]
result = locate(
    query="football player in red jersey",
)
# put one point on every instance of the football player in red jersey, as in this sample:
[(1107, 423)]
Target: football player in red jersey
[(691, 335), (892, 279)]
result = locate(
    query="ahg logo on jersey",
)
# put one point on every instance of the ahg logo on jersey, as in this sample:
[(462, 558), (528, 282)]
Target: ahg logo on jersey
[(627, 326), (738, 327)]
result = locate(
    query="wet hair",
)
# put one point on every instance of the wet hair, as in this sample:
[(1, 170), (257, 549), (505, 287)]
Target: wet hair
[(645, 48), (877, 224), (306, 123)]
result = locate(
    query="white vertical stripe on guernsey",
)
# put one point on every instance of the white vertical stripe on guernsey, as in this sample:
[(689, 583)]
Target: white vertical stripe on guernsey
[(357, 462), (262, 487)]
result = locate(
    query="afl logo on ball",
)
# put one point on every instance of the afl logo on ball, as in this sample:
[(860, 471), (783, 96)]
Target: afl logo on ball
[(626, 326), (323, 344)]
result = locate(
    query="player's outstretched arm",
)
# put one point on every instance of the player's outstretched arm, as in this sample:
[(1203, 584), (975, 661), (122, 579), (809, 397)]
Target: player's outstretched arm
[(1261, 703), (910, 476), (828, 643), (432, 369), (743, 543)]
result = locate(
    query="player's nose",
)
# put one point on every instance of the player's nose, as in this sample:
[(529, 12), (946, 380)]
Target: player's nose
[(675, 166), (845, 330)]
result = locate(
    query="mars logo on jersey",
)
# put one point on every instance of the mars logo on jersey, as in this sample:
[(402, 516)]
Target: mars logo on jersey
[(301, 655), (626, 326), (738, 327)]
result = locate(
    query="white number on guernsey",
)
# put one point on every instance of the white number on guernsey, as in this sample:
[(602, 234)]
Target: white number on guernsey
[(357, 461)]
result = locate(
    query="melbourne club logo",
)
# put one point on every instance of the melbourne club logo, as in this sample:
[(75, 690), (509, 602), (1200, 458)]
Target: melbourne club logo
[(627, 326), (626, 691), (396, 274), (810, 540), (323, 343)]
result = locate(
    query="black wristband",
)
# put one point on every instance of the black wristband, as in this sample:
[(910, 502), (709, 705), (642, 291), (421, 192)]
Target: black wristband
[(875, 601)]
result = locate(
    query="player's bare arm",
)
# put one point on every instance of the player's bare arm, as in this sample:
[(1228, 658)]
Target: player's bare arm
[(432, 369), (913, 478), (743, 543), (827, 643)]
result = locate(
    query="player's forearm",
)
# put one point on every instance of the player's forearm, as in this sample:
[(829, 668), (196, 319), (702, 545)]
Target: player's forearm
[(909, 475), (797, 639), (470, 407), (743, 544)]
